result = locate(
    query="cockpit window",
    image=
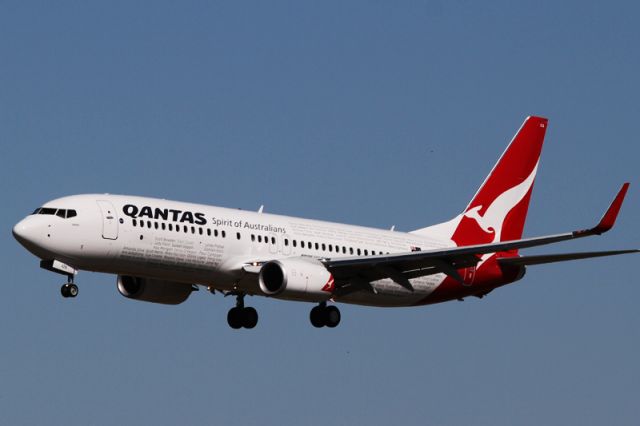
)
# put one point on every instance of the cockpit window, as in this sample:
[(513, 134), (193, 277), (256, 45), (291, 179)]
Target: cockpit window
[(63, 213)]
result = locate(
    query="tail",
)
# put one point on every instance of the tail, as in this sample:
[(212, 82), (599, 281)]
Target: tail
[(498, 210)]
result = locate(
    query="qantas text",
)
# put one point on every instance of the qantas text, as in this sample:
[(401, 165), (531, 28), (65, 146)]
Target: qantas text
[(164, 214)]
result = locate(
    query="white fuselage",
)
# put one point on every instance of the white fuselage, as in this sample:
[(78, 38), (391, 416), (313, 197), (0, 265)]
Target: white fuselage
[(208, 245)]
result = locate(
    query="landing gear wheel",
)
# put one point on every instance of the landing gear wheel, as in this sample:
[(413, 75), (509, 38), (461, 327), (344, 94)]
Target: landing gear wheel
[(73, 290), (317, 317), (235, 318), (239, 316), (332, 316), (250, 317), (69, 290), (324, 316)]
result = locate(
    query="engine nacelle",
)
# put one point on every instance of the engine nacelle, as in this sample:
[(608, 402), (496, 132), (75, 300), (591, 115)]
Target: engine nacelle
[(152, 290), (296, 278)]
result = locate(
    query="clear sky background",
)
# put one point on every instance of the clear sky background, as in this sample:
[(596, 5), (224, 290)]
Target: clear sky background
[(372, 113)]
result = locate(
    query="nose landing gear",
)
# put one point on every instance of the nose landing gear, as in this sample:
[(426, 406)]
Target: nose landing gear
[(325, 316), (241, 316), (69, 289)]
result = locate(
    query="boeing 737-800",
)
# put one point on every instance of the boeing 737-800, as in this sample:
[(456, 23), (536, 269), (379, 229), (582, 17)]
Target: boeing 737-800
[(163, 250)]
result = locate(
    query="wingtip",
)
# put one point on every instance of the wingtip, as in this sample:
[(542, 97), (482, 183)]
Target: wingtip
[(609, 218)]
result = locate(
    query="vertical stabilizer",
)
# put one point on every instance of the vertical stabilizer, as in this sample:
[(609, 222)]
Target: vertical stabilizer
[(498, 210)]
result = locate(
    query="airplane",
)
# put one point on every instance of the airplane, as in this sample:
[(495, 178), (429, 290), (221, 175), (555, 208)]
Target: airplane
[(162, 251)]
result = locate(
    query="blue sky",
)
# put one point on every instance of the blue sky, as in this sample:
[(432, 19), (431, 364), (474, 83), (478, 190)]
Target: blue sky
[(373, 113)]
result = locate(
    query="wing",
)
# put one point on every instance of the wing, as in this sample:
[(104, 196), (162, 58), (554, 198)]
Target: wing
[(403, 266), (551, 258)]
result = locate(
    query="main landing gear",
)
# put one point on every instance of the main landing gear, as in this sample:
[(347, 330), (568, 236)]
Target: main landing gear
[(69, 289), (241, 316), (325, 316)]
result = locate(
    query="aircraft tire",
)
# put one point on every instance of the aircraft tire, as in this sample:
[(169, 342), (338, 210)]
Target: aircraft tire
[(332, 316), (249, 317), (235, 318), (72, 290), (317, 317)]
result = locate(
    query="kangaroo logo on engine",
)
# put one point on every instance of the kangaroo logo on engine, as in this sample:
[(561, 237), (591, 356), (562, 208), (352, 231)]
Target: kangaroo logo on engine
[(164, 214)]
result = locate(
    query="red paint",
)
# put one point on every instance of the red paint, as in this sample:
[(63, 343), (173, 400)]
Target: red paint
[(513, 168), (609, 218), (330, 285), (490, 276)]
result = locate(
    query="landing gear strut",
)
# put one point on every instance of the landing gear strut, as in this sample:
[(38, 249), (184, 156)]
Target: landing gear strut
[(69, 289), (325, 316), (241, 316)]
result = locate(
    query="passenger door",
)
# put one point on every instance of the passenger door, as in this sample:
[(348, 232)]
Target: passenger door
[(109, 220)]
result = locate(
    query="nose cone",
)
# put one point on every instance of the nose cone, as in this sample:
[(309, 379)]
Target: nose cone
[(24, 233)]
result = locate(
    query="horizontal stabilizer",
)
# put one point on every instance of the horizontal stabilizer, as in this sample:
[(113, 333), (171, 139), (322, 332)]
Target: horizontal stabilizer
[(551, 258)]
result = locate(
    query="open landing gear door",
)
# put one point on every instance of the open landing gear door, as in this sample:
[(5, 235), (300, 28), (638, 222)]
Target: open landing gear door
[(109, 220)]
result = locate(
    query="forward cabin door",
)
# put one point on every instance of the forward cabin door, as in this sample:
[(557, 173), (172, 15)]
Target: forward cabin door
[(109, 220)]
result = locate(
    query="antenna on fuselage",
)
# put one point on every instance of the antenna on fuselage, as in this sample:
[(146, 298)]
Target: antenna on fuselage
[(261, 209), (393, 228)]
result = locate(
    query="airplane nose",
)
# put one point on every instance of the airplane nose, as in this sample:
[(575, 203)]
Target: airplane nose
[(23, 233)]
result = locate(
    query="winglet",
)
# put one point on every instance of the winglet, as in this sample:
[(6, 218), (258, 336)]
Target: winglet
[(609, 218)]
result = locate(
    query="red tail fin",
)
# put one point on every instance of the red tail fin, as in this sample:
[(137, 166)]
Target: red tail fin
[(499, 208)]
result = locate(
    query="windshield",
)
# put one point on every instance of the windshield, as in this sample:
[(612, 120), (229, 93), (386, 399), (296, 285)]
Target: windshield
[(63, 213)]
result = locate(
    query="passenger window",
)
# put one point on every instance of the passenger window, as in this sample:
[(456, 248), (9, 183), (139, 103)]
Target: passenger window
[(324, 247), (259, 238), (208, 232), (286, 242), (170, 227), (366, 252), (273, 240), (149, 224), (317, 246), (330, 247), (224, 234), (135, 222), (200, 231), (253, 237), (350, 250), (294, 243), (155, 225), (237, 235), (302, 244), (359, 252), (215, 232), (164, 226), (193, 229), (344, 250), (185, 229)]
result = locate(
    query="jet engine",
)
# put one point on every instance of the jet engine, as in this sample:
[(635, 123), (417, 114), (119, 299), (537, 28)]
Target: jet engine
[(152, 290), (296, 278)]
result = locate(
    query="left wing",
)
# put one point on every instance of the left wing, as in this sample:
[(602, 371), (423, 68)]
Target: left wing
[(403, 266)]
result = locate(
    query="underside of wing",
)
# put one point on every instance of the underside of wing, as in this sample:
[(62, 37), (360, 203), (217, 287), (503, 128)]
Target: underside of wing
[(552, 258)]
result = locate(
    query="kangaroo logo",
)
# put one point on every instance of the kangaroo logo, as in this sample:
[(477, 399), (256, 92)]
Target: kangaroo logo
[(492, 220)]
